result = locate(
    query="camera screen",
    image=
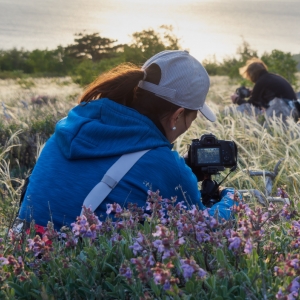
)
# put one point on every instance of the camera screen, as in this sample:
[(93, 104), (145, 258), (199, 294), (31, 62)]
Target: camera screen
[(208, 156)]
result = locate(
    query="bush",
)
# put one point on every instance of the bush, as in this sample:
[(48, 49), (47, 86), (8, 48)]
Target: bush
[(28, 139), (281, 63), (87, 71), (172, 252)]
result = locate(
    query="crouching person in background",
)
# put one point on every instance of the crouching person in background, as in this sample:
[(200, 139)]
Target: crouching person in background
[(271, 94)]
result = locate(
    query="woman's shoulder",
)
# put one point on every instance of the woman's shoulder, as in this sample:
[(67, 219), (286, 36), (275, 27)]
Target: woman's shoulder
[(170, 161), (174, 173)]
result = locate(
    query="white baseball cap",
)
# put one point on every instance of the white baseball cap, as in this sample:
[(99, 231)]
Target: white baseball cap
[(184, 81)]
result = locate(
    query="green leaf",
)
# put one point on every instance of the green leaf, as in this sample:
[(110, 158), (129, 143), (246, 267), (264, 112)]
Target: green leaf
[(110, 286), (19, 290), (190, 287), (83, 256), (155, 288), (86, 291), (111, 267), (147, 227), (221, 257)]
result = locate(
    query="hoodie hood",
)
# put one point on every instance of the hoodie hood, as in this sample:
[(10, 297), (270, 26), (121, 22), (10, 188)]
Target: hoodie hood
[(103, 128)]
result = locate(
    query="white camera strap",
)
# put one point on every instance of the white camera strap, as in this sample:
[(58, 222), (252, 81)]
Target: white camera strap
[(111, 179)]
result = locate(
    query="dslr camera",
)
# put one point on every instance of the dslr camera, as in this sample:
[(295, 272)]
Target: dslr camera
[(208, 156), (243, 92)]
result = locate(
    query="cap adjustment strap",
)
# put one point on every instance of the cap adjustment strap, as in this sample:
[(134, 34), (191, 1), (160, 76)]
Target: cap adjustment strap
[(157, 90)]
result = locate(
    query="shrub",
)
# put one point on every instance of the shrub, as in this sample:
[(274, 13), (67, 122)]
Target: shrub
[(170, 252)]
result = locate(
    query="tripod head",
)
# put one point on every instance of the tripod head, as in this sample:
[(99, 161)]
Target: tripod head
[(210, 191)]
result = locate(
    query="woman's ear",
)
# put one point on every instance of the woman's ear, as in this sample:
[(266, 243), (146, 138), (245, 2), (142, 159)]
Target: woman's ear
[(175, 116)]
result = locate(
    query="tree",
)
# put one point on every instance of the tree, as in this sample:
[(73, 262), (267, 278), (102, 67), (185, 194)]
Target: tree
[(148, 42), (92, 46), (231, 66), (12, 60), (281, 63)]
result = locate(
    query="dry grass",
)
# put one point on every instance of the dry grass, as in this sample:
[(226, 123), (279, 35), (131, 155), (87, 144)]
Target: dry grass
[(259, 146), (15, 94)]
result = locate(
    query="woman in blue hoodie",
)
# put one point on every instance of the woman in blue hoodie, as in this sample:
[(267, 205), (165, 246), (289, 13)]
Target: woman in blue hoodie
[(123, 111)]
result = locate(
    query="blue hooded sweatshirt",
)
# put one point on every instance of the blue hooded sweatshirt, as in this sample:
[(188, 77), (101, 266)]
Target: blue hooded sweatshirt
[(85, 145)]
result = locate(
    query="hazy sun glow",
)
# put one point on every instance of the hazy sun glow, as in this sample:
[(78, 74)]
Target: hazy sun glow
[(205, 27)]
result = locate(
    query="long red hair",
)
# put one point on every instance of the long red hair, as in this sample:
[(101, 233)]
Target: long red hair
[(117, 84), (121, 85)]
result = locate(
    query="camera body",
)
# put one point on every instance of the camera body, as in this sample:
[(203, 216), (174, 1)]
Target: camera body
[(208, 156), (243, 92)]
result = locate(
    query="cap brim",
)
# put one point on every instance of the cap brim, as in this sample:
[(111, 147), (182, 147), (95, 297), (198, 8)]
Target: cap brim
[(207, 113)]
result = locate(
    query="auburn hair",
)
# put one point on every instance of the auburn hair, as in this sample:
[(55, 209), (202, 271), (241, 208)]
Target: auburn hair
[(121, 85), (117, 84), (253, 69)]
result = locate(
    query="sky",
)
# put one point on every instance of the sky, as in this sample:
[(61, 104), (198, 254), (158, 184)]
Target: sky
[(206, 28)]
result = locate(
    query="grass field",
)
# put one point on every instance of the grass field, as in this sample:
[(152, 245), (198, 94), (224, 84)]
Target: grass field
[(254, 258)]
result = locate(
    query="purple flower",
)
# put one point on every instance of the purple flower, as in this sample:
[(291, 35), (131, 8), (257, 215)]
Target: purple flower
[(248, 247), (235, 243), (163, 220), (181, 241), (167, 285), (133, 260), (148, 207), (140, 238), (280, 294), (228, 233), (125, 271), (118, 208), (188, 270), (202, 236), (158, 232), (4, 261), (90, 234), (265, 216), (292, 296), (296, 224), (128, 273), (213, 222), (109, 208), (30, 243), (159, 245), (294, 286), (82, 221), (248, 210), (202, 273), (167, 253), (157, 277), (294, 263), (282, 193), (193, 211), (136, 247), (151, 260), (205, 213), (180, 205)]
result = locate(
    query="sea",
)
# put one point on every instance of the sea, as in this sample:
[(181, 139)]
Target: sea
[(208, 29)]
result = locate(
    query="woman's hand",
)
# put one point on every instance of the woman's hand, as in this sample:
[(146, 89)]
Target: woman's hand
[(233, 194)]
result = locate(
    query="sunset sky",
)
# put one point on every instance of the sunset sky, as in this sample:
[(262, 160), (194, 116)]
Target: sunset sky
[(205, 27)]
